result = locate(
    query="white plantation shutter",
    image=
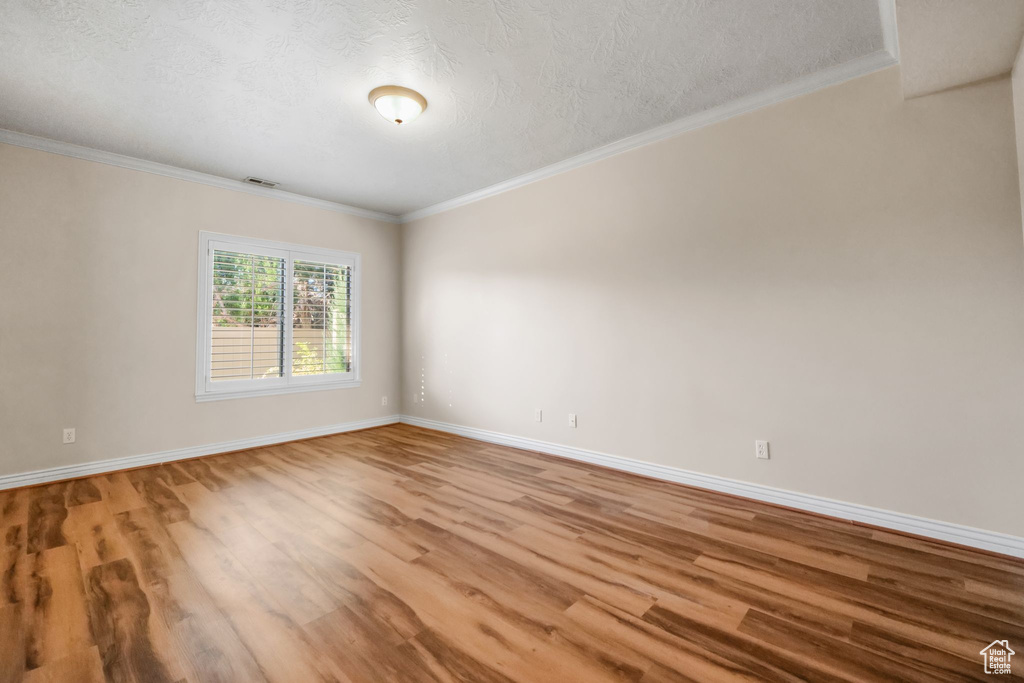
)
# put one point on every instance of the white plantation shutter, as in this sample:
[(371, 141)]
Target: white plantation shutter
[(248, 315), (321, 318), (275, 318)]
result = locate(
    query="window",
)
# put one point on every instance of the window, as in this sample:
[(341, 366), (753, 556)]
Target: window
[(275, 318)]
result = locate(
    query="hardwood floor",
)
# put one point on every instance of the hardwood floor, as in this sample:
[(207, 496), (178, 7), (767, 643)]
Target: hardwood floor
[(404, 554)]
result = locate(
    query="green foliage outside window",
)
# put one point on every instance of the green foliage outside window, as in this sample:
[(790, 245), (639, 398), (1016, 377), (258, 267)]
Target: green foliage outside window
[(248, 292)]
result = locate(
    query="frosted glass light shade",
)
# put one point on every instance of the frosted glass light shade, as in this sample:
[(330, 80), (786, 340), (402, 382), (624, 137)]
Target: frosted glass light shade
[(397, 104)]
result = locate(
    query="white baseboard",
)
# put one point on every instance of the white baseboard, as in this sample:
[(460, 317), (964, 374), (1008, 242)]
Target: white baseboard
[(10, 481), (946, 531), (921, 526)]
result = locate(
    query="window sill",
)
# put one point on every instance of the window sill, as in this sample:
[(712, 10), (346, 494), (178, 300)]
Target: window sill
[(274, 391)]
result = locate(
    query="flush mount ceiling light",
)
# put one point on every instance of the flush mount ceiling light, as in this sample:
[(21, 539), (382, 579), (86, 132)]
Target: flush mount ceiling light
[(397, 104)]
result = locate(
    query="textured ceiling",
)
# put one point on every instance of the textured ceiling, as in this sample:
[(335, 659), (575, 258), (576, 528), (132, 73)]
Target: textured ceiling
[(277, 88), (946, 43)]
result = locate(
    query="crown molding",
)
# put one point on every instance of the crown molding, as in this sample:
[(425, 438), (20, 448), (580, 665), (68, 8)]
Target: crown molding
[(992, 541), (890, 36), (861, 66), (802, 86), (11, 137)]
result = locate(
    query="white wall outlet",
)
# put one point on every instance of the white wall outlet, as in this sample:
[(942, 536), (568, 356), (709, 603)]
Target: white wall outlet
[(383, 400), (761, 450), (69, 435), (572, 420), (538, 415)]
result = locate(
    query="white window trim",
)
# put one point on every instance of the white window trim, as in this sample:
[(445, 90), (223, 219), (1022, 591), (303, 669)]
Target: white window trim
[(217, 391)]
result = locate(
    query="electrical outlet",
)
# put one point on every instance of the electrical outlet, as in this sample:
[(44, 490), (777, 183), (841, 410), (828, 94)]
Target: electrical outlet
[(69, 435), (572, 420), (761, 450), (383, 400), (538, 415)]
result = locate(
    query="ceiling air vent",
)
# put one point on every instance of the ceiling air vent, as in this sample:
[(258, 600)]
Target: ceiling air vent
[(261, 182)]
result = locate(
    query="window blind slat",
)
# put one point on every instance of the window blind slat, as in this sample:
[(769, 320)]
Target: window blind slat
[(247, 316), (275, 304), (321, 318)]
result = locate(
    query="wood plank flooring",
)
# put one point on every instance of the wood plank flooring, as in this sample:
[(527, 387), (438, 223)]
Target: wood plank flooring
[(403, 554)]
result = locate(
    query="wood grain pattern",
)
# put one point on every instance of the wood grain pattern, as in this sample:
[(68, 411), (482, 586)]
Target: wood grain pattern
[(403, 554), (54, 608), (46, 514), (121, 624)]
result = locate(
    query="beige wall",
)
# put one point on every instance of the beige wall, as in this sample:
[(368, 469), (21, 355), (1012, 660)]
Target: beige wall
[(98, 272), (841, 274)]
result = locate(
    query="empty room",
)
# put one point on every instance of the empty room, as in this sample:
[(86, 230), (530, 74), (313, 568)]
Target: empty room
[(511, 340)]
